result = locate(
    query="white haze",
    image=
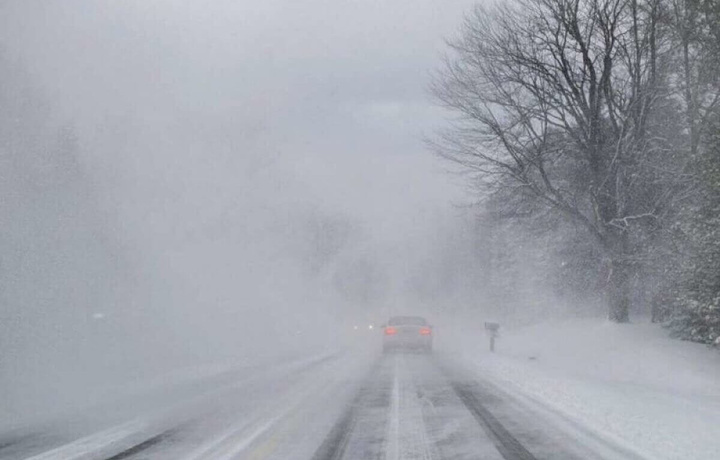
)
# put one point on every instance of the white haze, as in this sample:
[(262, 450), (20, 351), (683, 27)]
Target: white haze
[(254, 172)]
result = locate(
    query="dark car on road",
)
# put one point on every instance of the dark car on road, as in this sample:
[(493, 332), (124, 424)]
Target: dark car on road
[(411, 333)]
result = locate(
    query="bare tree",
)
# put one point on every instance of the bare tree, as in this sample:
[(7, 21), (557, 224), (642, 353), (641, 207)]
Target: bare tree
[(562, 102)]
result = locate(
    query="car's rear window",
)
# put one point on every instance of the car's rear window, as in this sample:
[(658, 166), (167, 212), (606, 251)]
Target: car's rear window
[(407, 321)]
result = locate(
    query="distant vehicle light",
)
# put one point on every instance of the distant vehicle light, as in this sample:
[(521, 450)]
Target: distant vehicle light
[(425, 331), (370, 326), (390, 331)]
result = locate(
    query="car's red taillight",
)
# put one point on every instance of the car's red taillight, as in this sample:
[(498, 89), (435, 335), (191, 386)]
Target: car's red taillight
[(390, 330), (425, 331)]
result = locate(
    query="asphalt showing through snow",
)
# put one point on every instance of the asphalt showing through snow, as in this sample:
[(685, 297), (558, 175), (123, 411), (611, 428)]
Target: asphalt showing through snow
[(508, 446)]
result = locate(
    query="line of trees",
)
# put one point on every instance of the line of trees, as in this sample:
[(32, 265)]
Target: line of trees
[(604, 114)]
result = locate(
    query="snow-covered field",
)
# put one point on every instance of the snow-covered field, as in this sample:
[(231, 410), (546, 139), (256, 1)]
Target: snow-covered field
[(630, 384)]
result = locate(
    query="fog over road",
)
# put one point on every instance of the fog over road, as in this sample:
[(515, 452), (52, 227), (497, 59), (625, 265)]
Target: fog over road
[(354, 404)]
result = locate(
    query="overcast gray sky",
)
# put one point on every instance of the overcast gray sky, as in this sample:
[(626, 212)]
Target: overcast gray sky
[(335, 90)]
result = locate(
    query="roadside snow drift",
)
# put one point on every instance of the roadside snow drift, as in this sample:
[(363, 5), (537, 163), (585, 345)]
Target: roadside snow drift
[(630, 383)]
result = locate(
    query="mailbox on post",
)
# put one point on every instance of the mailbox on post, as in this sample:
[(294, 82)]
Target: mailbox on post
[(493, 331)]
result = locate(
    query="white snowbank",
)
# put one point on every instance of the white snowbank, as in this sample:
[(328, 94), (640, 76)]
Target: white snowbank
[(630, 383)]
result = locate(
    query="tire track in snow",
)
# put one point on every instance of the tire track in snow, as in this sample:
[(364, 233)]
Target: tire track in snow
[(335, 444), (407, 434), (509, 447), (144, 445), (392, 451), (355, 418), (385, 420)]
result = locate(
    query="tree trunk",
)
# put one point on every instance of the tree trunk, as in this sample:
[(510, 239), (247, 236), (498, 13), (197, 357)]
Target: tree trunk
[(618, 287), (657, 310), (619, 292)]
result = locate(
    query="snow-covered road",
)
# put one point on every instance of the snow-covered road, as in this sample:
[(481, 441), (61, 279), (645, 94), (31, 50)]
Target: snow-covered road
[(351, 405)]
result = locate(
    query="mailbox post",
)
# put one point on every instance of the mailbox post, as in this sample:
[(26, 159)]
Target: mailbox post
[(492, 329)]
